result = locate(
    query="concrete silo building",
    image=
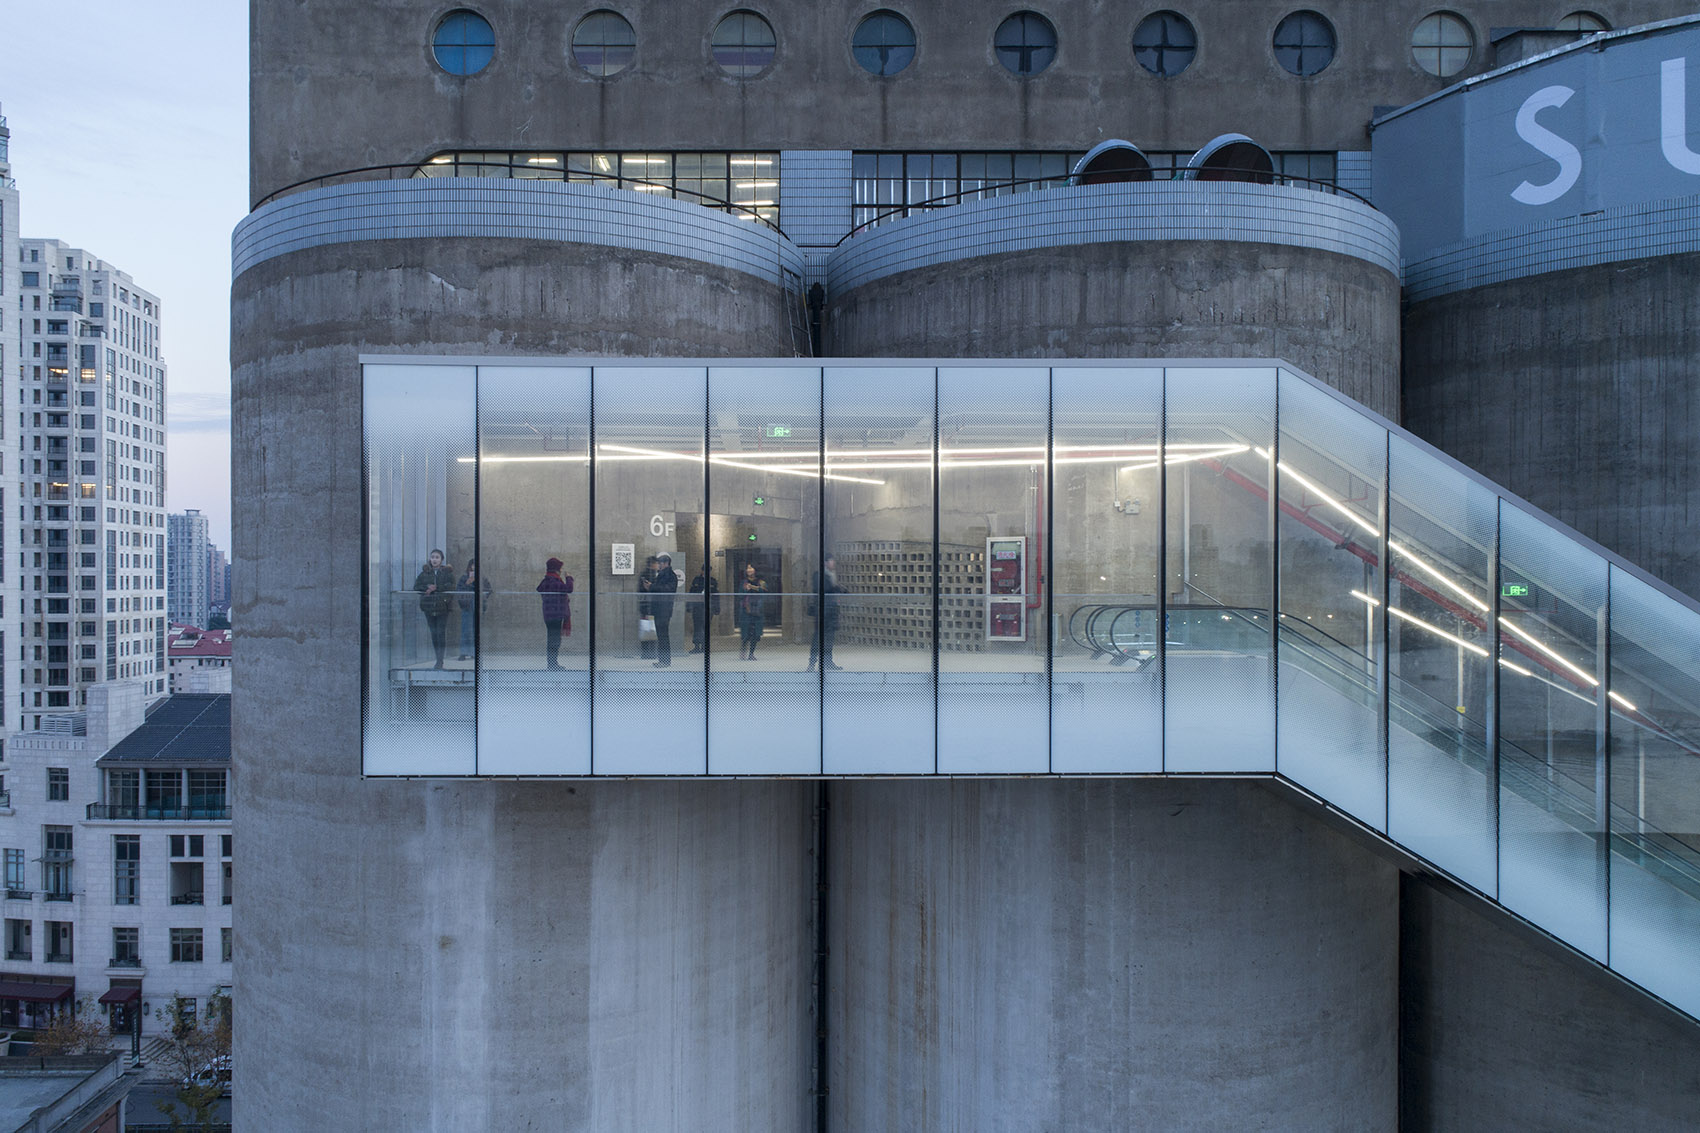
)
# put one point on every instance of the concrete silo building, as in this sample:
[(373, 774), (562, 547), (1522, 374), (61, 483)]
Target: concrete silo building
[(1103, 714)]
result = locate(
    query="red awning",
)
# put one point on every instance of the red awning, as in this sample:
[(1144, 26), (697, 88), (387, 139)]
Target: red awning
[(34, 993), (122, 995)]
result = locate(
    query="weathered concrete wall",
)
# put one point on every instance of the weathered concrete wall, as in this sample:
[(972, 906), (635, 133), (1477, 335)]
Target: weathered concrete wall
[(1500, 1032), (1106, 955), (1576, 390), (337, 85), (1331, 315), (449, 956)]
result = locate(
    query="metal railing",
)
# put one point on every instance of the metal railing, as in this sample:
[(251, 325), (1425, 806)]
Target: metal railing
[(137, 813)]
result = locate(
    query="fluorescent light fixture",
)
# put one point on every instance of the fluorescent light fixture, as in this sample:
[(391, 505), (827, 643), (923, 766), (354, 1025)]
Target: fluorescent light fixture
[(1434, 573), (1548, 650), (1317, 490), (1362, 597), (1622, 701), (1436, 630), (1515, 667)]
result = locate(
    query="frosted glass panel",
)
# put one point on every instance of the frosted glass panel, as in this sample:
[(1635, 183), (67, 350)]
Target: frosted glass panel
[(649, 698), (764, 553), (1106, 514), (878, 703), (524, 621), (994, 698), (1331, 472), (420, 471), (1441, 530), (1218, 678)]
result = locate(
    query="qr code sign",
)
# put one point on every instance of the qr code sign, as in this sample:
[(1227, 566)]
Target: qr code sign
[(625, 558)]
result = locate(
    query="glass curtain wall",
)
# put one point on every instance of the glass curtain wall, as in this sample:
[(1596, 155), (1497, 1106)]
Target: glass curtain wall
[(993, 640), (420, 439), (524, 599), (878, 701), (1219, 465), (649, 704), (757, 611), (1105, 534)]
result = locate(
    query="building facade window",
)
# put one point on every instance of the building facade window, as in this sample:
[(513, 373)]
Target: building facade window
[(1442, 44), (1025, 43), (743, 44), (883, 43), (17, 885), (58, 784), (56, 862), (224, 944), (1165, 43), (604, 43), (207, 794), (126, 868), (1584, 22), (185, 946), (18, 946), (126, 948), (60, 948), (1304, 43), (463, 43)]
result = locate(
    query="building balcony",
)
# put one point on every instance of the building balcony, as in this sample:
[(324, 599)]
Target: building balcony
[(5, 800), (19, 894), (188, 899), (14, 954), (129, 963), (58, 958), (118, 812), (57, 895)]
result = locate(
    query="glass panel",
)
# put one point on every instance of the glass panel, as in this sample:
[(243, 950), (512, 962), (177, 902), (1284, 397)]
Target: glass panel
[(649, 700), (1218, 681), (523, 601), (994, 696), (1106, 504), (764, 541), (1328, 726), (1441, 528), (420, 443), (1552, 757), (878, 707), (1655, 791)]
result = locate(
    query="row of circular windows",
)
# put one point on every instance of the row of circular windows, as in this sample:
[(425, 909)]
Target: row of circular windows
[(743, 44)]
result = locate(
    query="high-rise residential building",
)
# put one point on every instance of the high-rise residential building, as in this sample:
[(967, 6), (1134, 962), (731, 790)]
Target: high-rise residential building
[(188, 595), (90, 396), (12, 316), (218, 577), (826, 567)]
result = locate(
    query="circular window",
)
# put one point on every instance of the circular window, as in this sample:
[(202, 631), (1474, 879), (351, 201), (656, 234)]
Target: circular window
[(1304, 43), (604, 43), (1583, 22), (1442, 44), (1164, 43), (884, 43), (743, 44), (464, 42), (1026, 43)]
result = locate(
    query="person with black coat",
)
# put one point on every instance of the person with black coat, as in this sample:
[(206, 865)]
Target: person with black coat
[(436, 587), (701, 611), (662, 587), (823, 604)]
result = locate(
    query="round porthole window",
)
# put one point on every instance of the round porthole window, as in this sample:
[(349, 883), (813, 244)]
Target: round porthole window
[(1026, 43), (1304, 43), (884, 43), (1442, 44), (1164, 43), (604, 43), (1583, 22), (743, 44), (464, 42)]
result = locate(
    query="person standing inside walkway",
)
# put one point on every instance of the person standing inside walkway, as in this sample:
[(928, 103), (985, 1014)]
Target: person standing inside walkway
[(662, 587), (557, 610), (704, 609), (436, 586), (646, 608), (468, 589), (823, 605), (752, 612)]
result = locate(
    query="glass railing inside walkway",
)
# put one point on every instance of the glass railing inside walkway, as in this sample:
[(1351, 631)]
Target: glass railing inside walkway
[(990, 568)]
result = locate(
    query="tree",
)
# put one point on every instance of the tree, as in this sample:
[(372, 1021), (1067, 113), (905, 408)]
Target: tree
[(77, 1030), (198, 1055), (219, 620)]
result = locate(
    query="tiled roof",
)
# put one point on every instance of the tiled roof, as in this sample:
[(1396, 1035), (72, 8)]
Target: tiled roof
[(189, 641), (185, 728)]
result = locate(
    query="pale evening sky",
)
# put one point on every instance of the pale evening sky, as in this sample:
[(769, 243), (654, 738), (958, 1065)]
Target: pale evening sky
[(130, 140)]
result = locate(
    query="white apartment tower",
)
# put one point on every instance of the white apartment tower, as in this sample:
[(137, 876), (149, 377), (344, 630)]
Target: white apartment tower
[(91, 439), (188, 593), (11, 361)]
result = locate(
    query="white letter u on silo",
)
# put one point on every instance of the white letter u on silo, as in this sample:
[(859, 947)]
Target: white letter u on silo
[(1673, 116)]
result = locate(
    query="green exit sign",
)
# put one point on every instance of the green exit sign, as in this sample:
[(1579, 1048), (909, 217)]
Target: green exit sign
[(778, 432), (752, 538), (1513, 590), (761, 501)]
